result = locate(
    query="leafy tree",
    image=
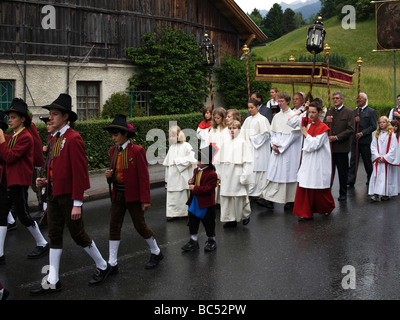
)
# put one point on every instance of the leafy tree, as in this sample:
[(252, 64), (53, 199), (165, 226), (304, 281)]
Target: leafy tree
[(170, 66), (288, 21), (273, 22)]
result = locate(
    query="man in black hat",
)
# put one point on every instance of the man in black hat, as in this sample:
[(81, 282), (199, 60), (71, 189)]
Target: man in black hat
[(16, 154), (67, 179), (129, 176)]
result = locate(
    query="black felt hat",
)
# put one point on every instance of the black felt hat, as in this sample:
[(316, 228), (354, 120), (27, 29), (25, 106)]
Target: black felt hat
[(64, 104), (44, 119), (20, 107), (119, 124), (3, 124)]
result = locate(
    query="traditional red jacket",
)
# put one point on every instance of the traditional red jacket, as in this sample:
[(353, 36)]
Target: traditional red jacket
[(18, 160), (136, 175), (69, 169), (205, 192)]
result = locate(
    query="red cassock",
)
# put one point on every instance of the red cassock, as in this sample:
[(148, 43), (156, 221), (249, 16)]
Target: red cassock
[(136, 175), (18, 160), (69, 170), (205, 192)]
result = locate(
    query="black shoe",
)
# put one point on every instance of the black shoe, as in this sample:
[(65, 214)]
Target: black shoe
[(246, 221), (2, 259), (305, 219), (211, 245), (39, 252), (99, 276), (191, 246), (169, 219), (114, 270), (11, 226), (154, 260), (288, 206), (230, 224), (50, 288), (350, 185), (265, 203), (5, 294), (342, 197)]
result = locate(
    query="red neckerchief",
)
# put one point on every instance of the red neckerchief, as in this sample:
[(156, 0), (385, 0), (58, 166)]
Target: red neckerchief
[(317, 128), (204, 124)]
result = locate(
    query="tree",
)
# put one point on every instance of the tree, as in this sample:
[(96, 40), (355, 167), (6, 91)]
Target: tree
[(273, 22), (170, 66), (288, 21)]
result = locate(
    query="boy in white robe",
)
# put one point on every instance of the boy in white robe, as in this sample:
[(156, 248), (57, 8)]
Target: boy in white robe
[(383, 181), (313, 194), (236, 172), (179, 164), (285, 157), (255, 131)]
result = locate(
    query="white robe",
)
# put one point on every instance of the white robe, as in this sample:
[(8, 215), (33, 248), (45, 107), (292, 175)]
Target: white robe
[(315, 169), (236, 172), (179, 165), (256, 132), (283, 166), (383, 180), (202, 134)]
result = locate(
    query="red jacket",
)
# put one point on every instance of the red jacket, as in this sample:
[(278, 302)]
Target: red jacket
[(70, 172), (18, 160), (136, 176), (38, 158), (206, 191)]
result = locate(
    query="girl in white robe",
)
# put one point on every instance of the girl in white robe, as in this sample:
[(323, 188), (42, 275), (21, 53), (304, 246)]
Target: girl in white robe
[(236, 172), (285, 156), (179, 165), (383, 181), (256, 132), (396, 131), (204, 127)]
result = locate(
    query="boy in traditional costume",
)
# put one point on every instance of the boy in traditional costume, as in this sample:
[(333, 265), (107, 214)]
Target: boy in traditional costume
[(129, 176), (16, 170)]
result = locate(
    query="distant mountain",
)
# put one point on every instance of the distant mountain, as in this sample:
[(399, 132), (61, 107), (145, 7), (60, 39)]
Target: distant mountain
[(306, 8)]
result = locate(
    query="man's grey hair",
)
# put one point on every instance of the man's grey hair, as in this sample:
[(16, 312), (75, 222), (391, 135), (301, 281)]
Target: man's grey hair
[(340, 93)]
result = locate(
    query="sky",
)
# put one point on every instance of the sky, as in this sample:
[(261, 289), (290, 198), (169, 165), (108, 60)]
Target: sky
[(248, 5)]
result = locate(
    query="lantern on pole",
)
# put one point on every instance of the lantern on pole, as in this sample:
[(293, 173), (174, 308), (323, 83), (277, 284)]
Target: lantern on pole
[(207, 50)]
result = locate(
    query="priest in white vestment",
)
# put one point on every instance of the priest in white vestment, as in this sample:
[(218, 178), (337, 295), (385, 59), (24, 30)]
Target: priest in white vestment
[(179, 165), (235, 163), (285, 156), (383, 180), (313, 194), (256, 132)]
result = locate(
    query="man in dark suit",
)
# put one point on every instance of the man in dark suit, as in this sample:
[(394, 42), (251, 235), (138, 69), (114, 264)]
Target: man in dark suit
[(367, 120), (341, 122), (263, 110)]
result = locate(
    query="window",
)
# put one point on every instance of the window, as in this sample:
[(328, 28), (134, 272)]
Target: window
[(6, 93), (88, 99)]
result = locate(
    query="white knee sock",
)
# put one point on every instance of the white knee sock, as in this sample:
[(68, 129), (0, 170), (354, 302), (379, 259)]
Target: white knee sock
[(54, 261), (193, 237), (153, 245), (10, 218), (113, 252), (95, 254), (3, 232), (37, 235)]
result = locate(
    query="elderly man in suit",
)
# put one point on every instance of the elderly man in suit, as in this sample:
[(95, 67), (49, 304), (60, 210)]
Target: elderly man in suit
[(263, 110), (341, 123), (366, 119)]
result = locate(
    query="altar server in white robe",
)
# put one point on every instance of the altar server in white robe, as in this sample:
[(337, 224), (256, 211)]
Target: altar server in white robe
[(217, 134), (285, 156), (383, 181), (313, 194), (396, 131), (179, 165), (235, 162), (256, 131)]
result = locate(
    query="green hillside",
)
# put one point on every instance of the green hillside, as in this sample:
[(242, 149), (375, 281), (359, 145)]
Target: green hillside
[(377, 73)]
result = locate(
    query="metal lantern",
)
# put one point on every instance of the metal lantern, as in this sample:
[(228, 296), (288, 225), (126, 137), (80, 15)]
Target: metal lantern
[(316, 37), (207, 51)]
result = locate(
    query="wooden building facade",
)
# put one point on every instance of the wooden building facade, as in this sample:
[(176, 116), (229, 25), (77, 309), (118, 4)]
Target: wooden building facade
[(78, 46)]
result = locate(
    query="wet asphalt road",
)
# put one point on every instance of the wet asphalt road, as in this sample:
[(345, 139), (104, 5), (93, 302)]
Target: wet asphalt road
[(274, 257)]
